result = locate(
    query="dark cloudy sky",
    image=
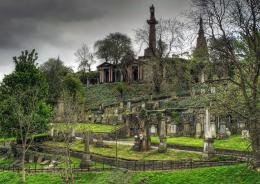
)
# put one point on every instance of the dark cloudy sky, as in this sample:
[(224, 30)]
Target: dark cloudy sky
[(59, 27)]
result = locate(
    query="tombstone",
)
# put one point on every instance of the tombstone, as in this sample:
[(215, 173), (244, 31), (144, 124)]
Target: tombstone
[(245, 134), (228, 132), (174, 129), (202, 91), (222, 131), (156, 106), (186, 124), (104, 119), (153, 130), (198, 133), (98, 119), (99, 143), (121, 105), (101, 107), (186, 129), (213, 130), (212, 90), (149, 106), (128, 106), (73, 132), (143, 105), (116, 111), (52, 132), (120, 118)]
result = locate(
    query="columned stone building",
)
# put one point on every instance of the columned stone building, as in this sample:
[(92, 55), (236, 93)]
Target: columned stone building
[(112, 73)]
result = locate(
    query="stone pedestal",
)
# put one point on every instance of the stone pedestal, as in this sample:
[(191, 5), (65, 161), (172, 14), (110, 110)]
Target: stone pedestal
[(99, 142), (208, 149), (162, 145), (85, 162)]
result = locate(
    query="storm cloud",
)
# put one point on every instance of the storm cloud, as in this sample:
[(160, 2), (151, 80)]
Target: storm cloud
[(58, 27)]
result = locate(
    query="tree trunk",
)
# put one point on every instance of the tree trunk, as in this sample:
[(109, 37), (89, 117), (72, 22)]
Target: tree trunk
[(255, 137), (23, 164)]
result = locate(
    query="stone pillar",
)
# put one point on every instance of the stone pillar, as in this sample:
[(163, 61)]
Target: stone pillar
[(208, 149), (162, 135), (86, 141)]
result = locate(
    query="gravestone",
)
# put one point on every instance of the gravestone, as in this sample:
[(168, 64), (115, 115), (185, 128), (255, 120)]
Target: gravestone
[(198, 133), (153, 130), (143, 105), (99, 143), (245, 134), (129, 105), (222, 131), (52, 132), (186, 124), (228, 132)]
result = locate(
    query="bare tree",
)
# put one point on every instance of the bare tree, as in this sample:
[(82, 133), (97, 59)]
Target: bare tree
[(26, 105), (85, 58), (71, 112), (234, 31)]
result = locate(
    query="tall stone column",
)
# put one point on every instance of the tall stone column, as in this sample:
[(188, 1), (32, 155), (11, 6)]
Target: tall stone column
[(151, 50), (162, 135), (208, 149), (85, 161)]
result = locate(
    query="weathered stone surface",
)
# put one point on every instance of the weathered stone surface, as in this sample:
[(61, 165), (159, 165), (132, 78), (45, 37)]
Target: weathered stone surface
[(208, 149), (245, 134)]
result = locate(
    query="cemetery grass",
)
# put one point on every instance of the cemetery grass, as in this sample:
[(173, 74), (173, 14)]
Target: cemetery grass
[(80, 127), (234, 142), (107, 94), (126, 152), (213, 175)]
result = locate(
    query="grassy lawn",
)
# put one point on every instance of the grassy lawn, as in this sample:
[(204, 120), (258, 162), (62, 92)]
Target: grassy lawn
[(239, 174), (126, 152), (79, 127), (233, 143)]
